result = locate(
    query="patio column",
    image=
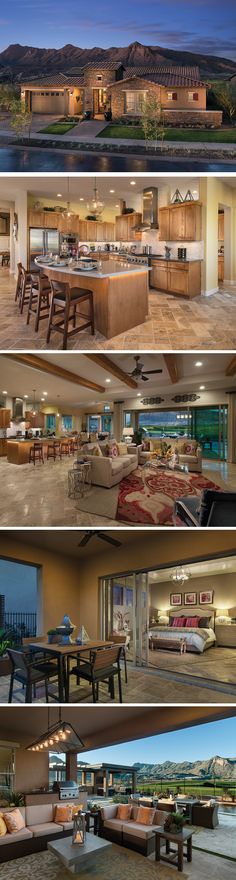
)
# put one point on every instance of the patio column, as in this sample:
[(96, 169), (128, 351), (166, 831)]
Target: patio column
[(71, 766), (84, 777), (105, 783), (134, 781)]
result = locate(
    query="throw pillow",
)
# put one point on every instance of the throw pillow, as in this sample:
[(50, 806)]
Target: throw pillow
[(3, 827), (160, 817), (122, 448), (189, 448), (204, 622), (14, 821), (192, 621), (123, 811), (134, 813), (179, 621), (146, 445), (146, 815), (95, 450), (63, 813), (76, 808), (113, 451)]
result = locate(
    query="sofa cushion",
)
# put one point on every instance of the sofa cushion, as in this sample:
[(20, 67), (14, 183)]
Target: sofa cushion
[(136, 829), (23, 834), (134, 813), (35, 815), (14, 821), (123, 811), (122, 448), (109, 812), (187, 459), (145, 815), (160, 817), (45, 828), (113, 824), (3, 827), (67, 826), (117, 465)]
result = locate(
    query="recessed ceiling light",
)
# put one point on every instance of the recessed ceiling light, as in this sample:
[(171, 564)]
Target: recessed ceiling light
[(26, 396), (59, 196), (198, 363), (81, 199), (133, 183), (45, 393), (117, 206), (42, 398), (112, 190), (202, 388), (4, 392), (108, 380), (139, 394)]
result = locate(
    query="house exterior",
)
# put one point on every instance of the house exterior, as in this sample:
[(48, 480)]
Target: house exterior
[(99, 86)]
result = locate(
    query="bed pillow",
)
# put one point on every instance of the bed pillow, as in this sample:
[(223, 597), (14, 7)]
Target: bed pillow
[(179, 621), (204, 622), (192, 621)]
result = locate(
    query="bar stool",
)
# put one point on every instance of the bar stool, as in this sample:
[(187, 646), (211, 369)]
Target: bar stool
[(18, 281), (39, 299), (65, 449), (63, 303), (51, 451), (5, 259), (36, 453), (57, 448), (25, 287)]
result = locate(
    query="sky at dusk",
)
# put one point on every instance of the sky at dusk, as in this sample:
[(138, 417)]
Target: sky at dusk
[(206, 26), (201, 742)]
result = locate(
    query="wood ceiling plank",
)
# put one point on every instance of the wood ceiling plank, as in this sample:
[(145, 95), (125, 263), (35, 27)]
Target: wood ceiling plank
[(172, 367), (231, 368), (103, 361), (44, 366)]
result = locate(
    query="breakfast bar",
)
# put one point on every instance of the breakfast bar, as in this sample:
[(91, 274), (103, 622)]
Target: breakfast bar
[(120, 292)]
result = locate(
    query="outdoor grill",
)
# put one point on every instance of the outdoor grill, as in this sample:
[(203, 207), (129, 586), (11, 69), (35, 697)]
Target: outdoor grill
[(66, 789)]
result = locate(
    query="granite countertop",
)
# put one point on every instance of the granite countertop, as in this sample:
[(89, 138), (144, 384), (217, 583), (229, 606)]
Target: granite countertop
[(115, 268)]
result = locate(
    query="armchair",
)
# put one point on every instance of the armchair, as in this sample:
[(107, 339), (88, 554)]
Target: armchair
[(212, 509)]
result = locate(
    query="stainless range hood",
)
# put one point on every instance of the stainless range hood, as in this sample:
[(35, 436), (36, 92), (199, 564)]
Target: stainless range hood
[(150, 210)]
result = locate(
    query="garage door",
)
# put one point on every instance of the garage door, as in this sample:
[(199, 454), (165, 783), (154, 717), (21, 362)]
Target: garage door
[(48, 102)]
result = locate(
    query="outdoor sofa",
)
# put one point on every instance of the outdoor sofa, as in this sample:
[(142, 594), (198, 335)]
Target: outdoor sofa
[(39, 828)]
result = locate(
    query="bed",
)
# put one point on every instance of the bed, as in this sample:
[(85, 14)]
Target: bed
[(185, 638)]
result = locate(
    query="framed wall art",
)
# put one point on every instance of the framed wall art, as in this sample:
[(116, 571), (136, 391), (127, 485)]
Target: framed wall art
[(190, 598), (175, 599), (206, 597)]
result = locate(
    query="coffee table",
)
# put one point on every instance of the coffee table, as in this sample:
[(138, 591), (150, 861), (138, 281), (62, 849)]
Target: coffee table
[(76, 857), (174, 856)]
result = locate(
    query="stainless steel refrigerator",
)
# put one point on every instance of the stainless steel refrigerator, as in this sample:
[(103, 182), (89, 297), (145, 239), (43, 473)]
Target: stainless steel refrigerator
[(43, 241)]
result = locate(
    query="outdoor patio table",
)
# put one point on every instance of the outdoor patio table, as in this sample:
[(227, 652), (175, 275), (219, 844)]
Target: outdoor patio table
[(174, 856), (62, 653)]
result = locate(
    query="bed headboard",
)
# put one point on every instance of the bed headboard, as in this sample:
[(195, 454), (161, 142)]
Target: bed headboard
[(194, 611)]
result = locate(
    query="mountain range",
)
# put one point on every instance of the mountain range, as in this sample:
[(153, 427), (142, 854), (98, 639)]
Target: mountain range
[(216, 766), (16, 61)]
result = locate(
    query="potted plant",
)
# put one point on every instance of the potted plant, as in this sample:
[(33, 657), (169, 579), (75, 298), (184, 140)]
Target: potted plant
[(52, 635), (14, 798), (174, 823), (5, 663)]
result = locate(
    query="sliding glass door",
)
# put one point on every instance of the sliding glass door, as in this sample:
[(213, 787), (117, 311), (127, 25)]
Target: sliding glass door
[(209, 427), (124, 611)]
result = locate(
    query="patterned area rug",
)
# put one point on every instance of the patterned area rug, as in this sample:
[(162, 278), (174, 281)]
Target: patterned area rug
[(117, 864), (147, 496)]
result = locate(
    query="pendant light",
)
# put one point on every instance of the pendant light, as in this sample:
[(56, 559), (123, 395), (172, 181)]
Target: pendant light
[(59, 737), (180, 575), (96, 205), (68, 213)]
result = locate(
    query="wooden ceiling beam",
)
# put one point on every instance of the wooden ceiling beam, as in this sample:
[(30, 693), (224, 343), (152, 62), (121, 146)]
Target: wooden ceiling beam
[(103, 361), (172, 367), (44, 366), (231, 368)]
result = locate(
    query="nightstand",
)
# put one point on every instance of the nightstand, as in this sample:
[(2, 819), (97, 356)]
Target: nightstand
[(226, 635)]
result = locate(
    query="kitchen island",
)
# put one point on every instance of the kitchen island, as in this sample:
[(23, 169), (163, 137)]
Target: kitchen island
[(18, 450), (120, 292)]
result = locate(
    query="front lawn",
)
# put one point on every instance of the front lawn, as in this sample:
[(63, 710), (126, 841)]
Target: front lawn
[(58, 128), (135, 132)]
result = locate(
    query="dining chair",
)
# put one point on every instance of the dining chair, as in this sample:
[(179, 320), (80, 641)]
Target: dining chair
[(29, 673), (120, 640), (103, 665)]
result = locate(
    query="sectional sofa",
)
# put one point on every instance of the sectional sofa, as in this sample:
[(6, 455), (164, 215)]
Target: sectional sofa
[(130, 832), (40, 827), (189, 451)]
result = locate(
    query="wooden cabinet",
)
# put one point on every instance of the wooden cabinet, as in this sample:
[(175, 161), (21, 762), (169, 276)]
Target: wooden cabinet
[(83, 230), (221, 225), (5, 418), (109, 231), (68, 226), (159, 275), (36, 219), (220, 267), (3, 446), (226, 635), (36, 421), (91, 230), (124, 228), (182, 279), (180, 222), (50, 220)]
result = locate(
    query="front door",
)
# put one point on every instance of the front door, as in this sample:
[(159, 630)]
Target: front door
[(99, 102)]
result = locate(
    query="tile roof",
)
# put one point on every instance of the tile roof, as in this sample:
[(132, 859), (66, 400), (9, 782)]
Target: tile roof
[(54, 80), (170, 78), (103, 65), (192, 72)]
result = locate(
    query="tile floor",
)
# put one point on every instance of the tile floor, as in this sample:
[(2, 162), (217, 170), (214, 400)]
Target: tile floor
[(38, 496), (172, 324)]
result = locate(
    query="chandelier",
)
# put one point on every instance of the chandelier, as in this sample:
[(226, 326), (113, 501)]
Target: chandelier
[(180, 575), (68, 213), (60, 737), (96, 205)]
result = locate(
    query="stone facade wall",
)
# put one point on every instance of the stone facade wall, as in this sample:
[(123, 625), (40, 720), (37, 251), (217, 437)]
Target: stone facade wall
[(200, 119), (108, 76), (118, 94)]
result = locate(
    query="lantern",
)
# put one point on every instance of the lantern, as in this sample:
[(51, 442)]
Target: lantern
[(79, 828)]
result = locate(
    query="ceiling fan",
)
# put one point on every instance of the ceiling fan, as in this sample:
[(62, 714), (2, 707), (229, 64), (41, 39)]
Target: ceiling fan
[(138, 373), (104, 537)]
